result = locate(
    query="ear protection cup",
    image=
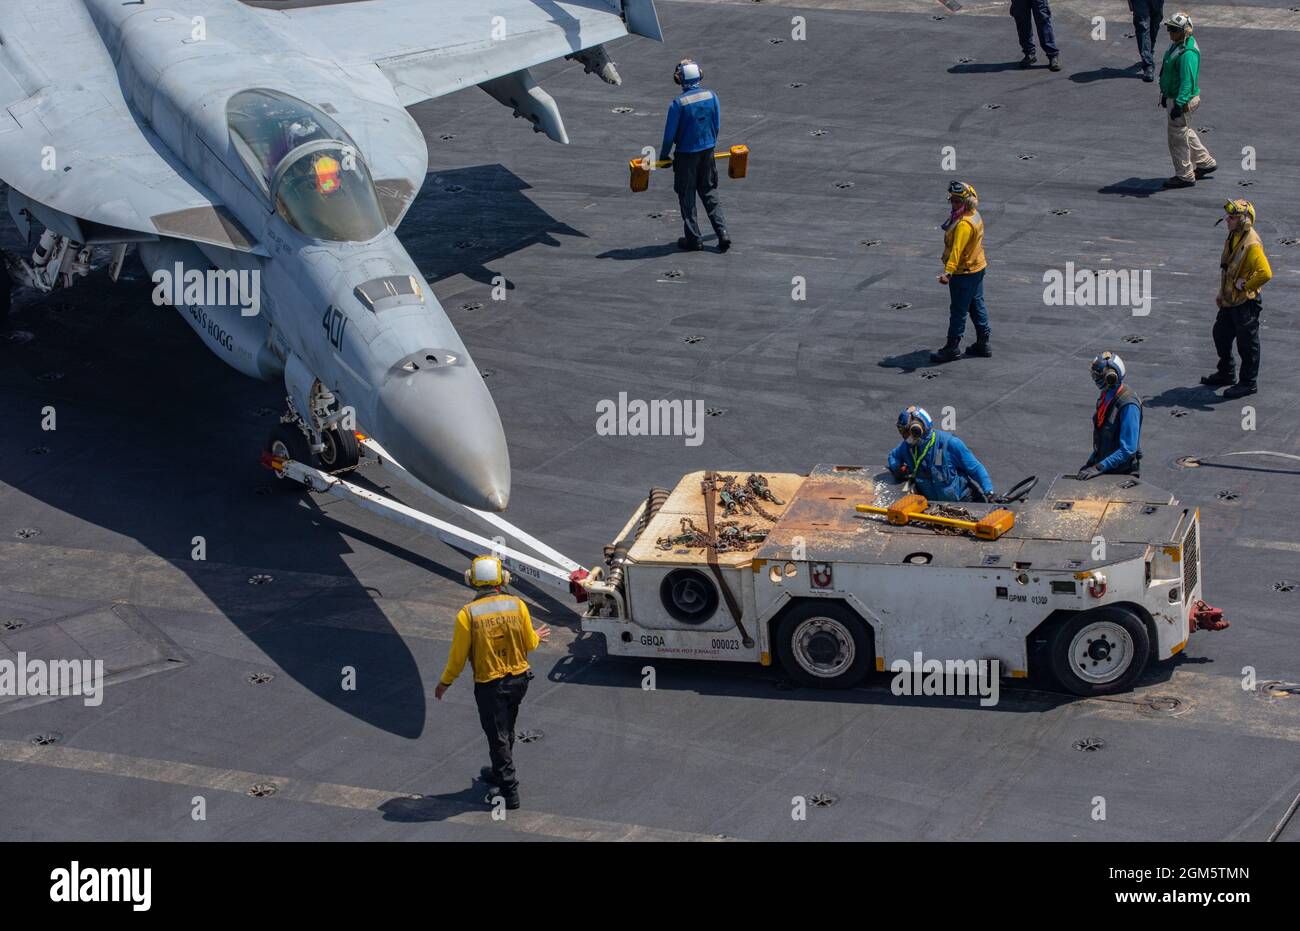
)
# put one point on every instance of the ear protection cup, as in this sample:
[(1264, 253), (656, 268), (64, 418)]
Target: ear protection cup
[(1107, 370), (914, 422)]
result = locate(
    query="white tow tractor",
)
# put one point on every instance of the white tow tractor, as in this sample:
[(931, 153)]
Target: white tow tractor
[(1094, 580), (1104, 575)]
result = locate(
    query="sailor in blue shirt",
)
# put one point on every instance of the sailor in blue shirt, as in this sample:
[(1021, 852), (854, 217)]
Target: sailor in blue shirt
[(1116, 423), (692, 132), (940, 465)]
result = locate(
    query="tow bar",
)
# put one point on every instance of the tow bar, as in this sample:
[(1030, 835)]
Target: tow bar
[(544, 566)]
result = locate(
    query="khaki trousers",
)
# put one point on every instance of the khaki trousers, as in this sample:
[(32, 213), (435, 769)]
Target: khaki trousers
[(1185, 147)]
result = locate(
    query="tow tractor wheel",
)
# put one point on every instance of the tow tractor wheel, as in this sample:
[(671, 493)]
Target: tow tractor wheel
[(824, 645), (341, 452), (1100, 652)]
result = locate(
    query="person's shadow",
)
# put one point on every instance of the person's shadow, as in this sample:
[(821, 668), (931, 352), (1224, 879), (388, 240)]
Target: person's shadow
[(908, 362), (653, 251), (1190, 397), (1134, 187), (980, 67), (1102, 74), (410, 809)]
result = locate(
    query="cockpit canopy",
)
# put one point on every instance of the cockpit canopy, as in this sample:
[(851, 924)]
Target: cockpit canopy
[(307, 165)]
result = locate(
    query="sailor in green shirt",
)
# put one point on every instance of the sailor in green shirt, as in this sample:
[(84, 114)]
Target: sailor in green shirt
[(1181, 95)]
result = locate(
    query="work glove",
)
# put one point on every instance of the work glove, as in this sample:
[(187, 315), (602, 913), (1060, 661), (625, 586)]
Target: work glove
[(1175, 112), (1086, 473), (1164, 101)]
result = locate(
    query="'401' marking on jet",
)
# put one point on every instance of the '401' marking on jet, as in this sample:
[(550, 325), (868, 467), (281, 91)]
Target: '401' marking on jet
[(269, 141)]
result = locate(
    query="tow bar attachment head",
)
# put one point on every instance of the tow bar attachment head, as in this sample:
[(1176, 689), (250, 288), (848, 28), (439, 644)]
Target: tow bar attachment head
[(1204, 617)]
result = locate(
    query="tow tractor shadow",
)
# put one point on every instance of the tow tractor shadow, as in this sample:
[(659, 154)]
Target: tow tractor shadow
[(465, 219), (588, 665)]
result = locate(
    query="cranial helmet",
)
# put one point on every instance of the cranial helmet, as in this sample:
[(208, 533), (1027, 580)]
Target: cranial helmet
[(913, 424), (486, 572), (687, 72), (1240, 208), (1180, 21), (963, 190), (1107, 370)]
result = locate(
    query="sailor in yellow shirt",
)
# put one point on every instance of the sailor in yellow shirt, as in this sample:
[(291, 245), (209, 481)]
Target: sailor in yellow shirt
[(495, 633), (963, 273), (1243, 271)]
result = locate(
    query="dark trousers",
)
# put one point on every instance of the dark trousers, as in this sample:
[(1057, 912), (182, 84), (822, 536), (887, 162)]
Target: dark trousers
[(498, 707), (697, 173), (1041, 15), (966, 296), (1147, 15), (1239, 324)]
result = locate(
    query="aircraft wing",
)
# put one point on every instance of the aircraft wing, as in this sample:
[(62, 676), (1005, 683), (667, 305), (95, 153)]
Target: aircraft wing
[(428, 48), (68, 140)]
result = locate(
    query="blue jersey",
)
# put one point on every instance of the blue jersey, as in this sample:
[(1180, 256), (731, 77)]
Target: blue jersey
[(693, 120), (943, 465)]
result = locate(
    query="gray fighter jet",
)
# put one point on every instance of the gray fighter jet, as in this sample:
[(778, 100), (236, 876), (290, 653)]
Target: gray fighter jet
[(260, 157)]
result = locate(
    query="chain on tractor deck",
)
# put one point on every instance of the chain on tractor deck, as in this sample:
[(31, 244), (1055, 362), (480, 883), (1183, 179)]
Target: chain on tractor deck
[(734, 497)]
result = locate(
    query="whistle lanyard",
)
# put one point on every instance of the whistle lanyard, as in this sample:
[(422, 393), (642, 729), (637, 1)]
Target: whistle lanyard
[(916, 460)]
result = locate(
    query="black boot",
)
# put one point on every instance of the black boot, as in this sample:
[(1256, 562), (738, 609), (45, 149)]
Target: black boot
[(689, 245), (489, 776), (1028, 60), (512, 801), (1219, 379), (724, 242), (979, 348), (948, 353)]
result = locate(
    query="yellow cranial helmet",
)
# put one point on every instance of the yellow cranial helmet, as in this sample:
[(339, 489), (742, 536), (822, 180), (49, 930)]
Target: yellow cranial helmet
[(1235, 208), (486, 572), (961, 189)]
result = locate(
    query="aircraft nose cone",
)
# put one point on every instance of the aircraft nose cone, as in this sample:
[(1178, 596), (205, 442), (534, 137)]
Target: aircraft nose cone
[(440, 423)]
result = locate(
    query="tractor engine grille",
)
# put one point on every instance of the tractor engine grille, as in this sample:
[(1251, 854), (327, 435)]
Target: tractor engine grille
[(1191, 561)]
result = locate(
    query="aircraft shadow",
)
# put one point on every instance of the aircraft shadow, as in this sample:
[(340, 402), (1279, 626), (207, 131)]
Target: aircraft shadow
[(157, 443), (464, 219)]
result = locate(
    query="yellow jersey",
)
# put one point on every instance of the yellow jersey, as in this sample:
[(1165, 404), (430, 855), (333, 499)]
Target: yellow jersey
[(963, 246), (495, 634)]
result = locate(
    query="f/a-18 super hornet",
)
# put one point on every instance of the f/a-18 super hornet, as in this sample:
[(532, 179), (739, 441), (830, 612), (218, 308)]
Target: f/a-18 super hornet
[(260, 157)]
